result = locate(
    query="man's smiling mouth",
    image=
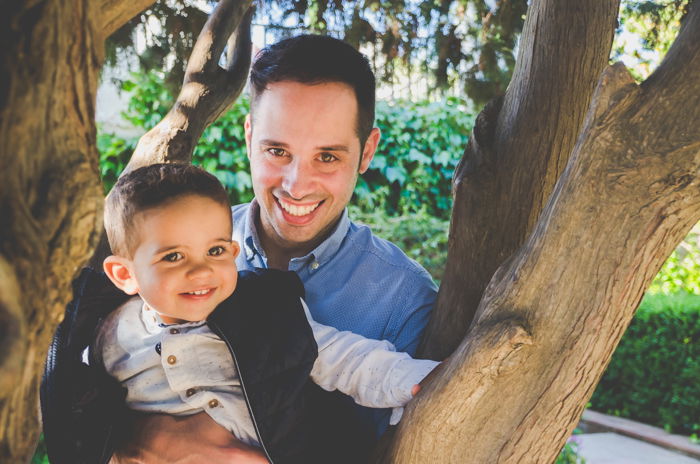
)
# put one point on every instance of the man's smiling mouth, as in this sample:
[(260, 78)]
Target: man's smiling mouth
[(296, 210)]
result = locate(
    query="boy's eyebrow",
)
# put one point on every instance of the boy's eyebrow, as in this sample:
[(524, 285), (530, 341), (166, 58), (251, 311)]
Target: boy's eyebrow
[(175, 247), (167, 248), (276, 143)]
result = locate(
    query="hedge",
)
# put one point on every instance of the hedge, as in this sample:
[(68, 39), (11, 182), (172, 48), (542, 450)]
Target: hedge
[(654, 374)]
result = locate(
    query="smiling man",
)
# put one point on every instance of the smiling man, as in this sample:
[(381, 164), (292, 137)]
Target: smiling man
[(310, 133)]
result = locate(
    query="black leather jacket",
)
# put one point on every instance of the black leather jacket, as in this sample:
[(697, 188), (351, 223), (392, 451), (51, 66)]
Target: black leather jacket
[(263, 323)]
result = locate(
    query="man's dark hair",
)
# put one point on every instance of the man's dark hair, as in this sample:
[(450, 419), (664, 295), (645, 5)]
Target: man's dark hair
[(316, 59), (149, 187)]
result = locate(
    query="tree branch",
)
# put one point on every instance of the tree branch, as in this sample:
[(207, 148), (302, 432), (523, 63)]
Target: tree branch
[(622, 204), (207, 91), (506, 177), (116, 13)]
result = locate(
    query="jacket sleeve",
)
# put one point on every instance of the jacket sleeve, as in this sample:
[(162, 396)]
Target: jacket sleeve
[(372, 372)]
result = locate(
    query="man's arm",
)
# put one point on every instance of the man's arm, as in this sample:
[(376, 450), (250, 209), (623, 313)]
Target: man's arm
[(195, 439)]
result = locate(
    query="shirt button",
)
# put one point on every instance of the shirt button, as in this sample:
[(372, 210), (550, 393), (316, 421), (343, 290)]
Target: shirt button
[(213, 403), (314, 265), (172, 359), (174, 331), (190, 392)]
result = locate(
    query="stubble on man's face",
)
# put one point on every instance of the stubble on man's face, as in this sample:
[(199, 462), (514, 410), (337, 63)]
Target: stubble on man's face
[(304, 155)]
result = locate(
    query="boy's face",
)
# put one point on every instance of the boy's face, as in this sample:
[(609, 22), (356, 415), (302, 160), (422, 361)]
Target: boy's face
[(184, 263)]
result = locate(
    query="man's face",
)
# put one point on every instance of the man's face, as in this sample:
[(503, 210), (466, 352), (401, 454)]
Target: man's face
[(305, 157), (184, 264)]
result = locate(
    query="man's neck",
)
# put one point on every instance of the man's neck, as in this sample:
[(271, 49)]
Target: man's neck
[(279, 255)]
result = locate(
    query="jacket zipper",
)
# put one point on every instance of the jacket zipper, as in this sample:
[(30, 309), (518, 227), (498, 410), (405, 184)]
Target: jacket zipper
[(219, 332)]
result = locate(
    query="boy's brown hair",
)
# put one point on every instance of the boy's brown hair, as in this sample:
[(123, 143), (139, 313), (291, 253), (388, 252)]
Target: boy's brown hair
[(149, 187)]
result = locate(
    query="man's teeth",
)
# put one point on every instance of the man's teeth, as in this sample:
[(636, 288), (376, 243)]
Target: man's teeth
[(200, 292), (298, 210)]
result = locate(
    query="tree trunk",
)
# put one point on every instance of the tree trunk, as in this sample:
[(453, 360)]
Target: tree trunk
[(554, 312), (518, 150), (51, 197)]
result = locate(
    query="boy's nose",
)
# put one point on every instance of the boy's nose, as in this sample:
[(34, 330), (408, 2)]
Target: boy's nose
[(199, 271)]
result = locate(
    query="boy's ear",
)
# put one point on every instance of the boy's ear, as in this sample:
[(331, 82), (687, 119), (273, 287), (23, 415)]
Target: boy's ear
[(236, 248), (117, 269)]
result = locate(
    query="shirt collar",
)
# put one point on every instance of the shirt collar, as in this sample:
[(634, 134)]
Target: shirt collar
[(321, 254), (250, 234), (154, 324)]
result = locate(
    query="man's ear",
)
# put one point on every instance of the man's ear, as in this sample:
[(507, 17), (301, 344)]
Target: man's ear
[(369, 149), (248, 129), (118, 270)]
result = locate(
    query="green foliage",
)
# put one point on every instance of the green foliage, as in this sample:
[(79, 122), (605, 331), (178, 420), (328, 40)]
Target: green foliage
[(466, 44), (654, 375), (40, 456), (647, 30), (221, 150), (422, 143), (681, 272), (569, 453)]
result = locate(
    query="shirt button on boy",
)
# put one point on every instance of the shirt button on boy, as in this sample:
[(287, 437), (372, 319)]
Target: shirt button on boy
[(314, 265), (172, 359), (213, 403), (174, 331), (190, 392)]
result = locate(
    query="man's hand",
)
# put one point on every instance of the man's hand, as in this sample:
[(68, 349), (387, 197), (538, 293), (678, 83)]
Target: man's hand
[(164, 439)]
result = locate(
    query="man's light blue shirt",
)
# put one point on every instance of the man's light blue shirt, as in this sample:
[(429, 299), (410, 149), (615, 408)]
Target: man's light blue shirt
[(354, 281)]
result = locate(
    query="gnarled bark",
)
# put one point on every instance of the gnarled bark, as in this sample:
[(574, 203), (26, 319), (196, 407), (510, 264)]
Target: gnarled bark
[(554, 312), (519, 148), (51, 196)]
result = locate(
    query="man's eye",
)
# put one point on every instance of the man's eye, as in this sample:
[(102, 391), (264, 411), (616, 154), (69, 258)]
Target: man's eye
[(172, 257), (327, 157), (276, 151), (216, 251)]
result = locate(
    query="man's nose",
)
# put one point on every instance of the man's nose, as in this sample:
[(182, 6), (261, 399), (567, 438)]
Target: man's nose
[(299, 179)]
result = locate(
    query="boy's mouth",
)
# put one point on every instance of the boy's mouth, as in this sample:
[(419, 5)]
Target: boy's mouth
[(197, 294)]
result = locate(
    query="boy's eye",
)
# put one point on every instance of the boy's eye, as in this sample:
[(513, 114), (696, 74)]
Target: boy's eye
[(216, 251), (327, 157), (173, 257), (276, 151)]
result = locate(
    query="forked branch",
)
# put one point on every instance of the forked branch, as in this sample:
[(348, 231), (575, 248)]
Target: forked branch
[(208, 89)]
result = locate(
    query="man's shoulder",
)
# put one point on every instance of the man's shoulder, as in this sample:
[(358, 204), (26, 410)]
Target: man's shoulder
[(239, 211), (382, 252)]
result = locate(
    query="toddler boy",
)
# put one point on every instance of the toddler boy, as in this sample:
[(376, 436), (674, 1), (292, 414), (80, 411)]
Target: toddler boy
[(174, 347)]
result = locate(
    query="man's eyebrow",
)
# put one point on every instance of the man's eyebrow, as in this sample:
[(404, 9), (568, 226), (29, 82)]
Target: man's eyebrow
[(277, 143), (339, 147), (273, 142)]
